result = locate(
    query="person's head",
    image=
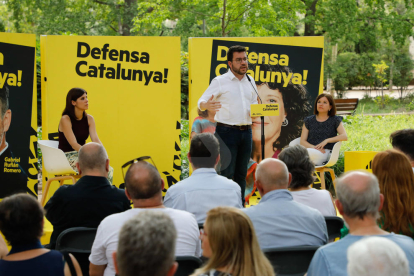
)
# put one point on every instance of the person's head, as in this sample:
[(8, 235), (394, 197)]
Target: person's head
[(229, 240), (358, 195), (205, 113), (204, 151), (143, 181), (396, 183), (76, 98), (237, 59), (299, 166), (146, 246), (376, 256), (324, 103), (403, 140), (272, 174), (5, 115), (93, 160), (21, 219), (293, 103)]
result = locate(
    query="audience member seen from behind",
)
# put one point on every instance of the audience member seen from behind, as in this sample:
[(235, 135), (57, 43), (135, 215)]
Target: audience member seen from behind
[(302, 169), (146, 246), (90, 200), (280, 221), (377, 256), (204, 123), (230, 244), (396, 182), (21, 222), (144, 187), (403, 140), (204, 189), (359, 201), (322, 130)]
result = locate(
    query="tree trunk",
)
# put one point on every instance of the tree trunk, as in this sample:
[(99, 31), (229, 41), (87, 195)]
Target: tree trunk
[(310, 12), (223, 19)]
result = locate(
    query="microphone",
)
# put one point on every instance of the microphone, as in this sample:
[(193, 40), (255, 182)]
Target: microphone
[(248, 78), (261, 120)]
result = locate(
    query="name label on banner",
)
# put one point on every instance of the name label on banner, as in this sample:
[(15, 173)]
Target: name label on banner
[(264, 110)]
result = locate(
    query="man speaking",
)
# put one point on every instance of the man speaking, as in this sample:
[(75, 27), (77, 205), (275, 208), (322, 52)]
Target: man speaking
[(231, 95)]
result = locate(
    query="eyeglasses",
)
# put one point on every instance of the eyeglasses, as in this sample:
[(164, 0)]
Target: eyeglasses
[(126, 166), (239, 60)]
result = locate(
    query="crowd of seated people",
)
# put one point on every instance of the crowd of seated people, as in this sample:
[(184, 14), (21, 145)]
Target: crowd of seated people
[(147, 237)]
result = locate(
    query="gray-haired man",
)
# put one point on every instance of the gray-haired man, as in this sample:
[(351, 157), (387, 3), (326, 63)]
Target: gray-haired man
[(146, 246), (359, 201)]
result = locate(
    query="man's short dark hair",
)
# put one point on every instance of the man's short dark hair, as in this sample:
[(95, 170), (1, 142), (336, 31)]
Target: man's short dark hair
[(142, 180), (403, 140), (21, 218), (232, 49), (4, 100), (204, 150)]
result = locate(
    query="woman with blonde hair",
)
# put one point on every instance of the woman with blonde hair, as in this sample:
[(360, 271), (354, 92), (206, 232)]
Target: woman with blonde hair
[(396, 181), (230, 243)]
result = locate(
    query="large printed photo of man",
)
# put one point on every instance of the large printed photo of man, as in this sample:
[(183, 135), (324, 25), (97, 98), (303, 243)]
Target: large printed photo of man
[(13, 179)]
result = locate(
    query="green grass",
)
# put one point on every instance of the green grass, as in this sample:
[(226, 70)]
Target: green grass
[(365, 133), (369, 106), (370, 133)]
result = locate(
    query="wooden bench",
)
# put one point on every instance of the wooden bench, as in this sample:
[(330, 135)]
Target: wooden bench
[(346, 106)]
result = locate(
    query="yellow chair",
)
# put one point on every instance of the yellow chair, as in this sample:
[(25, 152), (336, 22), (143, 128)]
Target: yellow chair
[(326, 168), (55, 163)]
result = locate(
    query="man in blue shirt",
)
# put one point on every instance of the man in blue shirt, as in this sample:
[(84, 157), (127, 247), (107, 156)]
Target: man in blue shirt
[(280, 221), (359, 201), (204, 189)]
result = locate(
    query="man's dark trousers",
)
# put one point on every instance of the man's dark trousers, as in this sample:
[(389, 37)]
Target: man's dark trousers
[(235, 151)]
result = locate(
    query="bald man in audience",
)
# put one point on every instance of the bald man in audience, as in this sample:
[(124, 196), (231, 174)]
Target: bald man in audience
[(280, 221), (90, 200), (144, 187), (359, 202)]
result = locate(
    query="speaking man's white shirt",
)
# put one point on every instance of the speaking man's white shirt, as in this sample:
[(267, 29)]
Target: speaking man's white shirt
[(235, 97)]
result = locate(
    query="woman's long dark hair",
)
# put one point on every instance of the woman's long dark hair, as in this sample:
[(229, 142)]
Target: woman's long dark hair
[(73, 95), (295, 101)]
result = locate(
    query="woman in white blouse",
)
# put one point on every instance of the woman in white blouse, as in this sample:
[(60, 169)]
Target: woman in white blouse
[(302, 169)]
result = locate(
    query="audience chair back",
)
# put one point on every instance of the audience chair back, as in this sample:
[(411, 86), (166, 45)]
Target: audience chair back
[(78, 241), (55, 163), (292, 261), (187, 265), (334, 225)]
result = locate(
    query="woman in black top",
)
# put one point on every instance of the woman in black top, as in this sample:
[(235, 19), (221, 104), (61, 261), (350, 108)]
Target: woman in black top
[(76, 126), (321, 131)]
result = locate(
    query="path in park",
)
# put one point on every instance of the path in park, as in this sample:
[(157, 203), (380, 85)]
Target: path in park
[(359, 92)]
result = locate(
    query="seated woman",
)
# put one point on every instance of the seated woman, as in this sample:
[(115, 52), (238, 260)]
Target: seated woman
[(21, 222), (75, 126), (396, 182), (230, 242), (302, 169), (321, 131)]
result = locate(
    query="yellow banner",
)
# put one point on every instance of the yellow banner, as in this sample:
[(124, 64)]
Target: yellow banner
[(18, 124), (257, 110), (287, 71), (133, 86)]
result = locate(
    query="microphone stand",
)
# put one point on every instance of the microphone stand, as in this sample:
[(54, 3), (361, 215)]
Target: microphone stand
[(261, 120)]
